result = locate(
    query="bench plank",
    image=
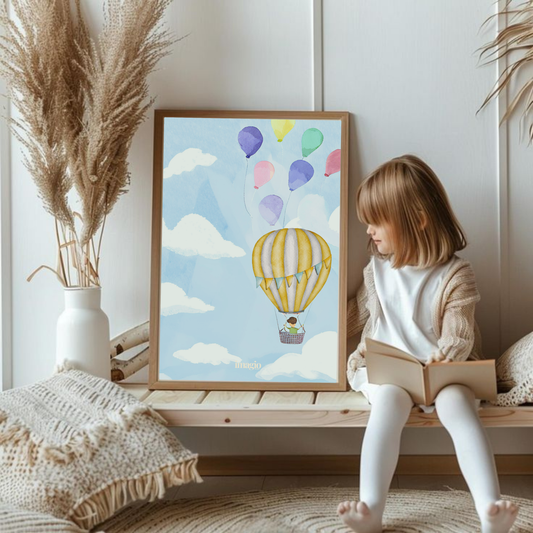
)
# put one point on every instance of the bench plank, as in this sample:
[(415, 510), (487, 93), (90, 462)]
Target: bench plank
[(352, 398), (231, 397), (264, 415), (139, 390), (296, 409), (288, 397), (167, 398)]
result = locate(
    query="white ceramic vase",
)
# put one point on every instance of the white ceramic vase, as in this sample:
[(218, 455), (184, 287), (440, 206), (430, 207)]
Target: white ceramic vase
[(82, 335)]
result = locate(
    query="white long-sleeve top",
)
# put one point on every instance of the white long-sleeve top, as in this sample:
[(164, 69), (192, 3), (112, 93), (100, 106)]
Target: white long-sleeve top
[(454, 324), (406, 296)]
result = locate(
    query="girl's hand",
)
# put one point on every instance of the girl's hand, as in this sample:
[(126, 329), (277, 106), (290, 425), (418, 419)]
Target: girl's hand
[(437, 357)]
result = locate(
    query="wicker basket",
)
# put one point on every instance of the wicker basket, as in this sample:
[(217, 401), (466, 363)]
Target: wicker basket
[(288, 338)]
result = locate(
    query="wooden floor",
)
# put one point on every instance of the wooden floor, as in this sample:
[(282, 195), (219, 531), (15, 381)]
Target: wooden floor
[(519, 486)]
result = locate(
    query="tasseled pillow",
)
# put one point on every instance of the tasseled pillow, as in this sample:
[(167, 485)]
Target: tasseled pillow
[(514, 370), (78, 447)]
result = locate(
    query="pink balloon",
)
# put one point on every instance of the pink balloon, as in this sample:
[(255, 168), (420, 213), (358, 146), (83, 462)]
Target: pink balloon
[(333, 162), (263, 172)]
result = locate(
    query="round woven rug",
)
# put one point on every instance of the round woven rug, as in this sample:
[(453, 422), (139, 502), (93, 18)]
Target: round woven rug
[(307, 510)]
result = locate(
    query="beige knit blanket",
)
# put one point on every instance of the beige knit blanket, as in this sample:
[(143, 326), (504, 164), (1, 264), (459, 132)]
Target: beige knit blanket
[(79, 447)]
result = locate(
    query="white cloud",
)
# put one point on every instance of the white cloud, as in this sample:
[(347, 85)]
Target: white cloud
[(195, 235), (312, 215), (164, 377), (212, 354), (319, 356), (174, 301), (335, 220), (186, 161)]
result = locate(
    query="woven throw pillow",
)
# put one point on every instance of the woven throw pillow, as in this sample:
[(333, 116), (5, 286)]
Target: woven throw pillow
[(514, 369), (78, 447), (14, 520)]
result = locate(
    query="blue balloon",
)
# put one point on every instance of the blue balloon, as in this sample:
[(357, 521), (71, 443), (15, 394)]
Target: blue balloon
[(250, 139), (299, 174), (270, 208)]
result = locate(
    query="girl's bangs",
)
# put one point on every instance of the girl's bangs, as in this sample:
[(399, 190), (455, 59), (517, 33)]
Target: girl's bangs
[(371, 206)]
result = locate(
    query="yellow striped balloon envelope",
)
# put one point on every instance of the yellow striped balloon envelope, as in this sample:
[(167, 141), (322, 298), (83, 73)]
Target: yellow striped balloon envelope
[(291, 265)]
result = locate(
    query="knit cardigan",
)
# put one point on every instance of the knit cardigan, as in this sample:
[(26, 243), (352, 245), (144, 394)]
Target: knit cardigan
[(452, 315)]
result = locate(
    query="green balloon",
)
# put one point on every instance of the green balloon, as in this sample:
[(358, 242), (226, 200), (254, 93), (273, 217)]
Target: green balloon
[(311, 140)]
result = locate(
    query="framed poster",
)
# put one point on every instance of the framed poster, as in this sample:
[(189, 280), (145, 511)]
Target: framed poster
[(249, 238)]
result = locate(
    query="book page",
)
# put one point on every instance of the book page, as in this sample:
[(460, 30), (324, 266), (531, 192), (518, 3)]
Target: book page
[(373, 345), (480, 376), (405, 373)]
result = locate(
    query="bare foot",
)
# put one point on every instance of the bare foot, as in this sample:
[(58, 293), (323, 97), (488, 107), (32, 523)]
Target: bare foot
[(498, 517), (357, 516)]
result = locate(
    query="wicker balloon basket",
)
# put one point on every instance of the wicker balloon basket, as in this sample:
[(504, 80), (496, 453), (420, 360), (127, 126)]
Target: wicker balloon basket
[(289, 338)]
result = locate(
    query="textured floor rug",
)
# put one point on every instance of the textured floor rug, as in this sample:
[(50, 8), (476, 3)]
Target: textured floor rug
[(307, 510)]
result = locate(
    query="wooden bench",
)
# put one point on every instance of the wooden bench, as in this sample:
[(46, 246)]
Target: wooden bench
[(295, 409)]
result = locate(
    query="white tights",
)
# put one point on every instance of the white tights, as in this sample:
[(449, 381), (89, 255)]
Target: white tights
[(457, 411)]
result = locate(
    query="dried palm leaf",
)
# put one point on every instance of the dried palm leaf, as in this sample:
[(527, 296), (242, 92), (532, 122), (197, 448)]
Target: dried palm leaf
[(517, 36)]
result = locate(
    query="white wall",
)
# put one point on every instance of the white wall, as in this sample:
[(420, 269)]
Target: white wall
[(408, 73), (5, 244)]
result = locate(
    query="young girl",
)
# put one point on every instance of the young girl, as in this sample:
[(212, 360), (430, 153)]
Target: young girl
[(418, 295)]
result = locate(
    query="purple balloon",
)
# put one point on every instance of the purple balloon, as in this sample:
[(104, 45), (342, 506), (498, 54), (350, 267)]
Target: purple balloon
[(250, 139), (299, 174), (270, 208)]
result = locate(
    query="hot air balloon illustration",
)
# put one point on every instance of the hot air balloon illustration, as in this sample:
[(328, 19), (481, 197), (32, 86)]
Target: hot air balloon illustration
[(282, 127), (291, 265)]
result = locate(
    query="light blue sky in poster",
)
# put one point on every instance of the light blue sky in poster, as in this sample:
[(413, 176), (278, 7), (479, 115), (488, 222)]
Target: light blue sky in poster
[(212, 313)]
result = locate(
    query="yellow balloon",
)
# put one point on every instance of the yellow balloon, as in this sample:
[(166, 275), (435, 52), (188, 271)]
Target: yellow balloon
[(282, 127)]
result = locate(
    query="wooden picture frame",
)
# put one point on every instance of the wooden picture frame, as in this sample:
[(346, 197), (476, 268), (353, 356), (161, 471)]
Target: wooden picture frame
[(241, 199)]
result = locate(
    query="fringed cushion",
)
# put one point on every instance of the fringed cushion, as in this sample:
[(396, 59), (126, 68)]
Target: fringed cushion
[(78, 447), (514, 369), (13, 520)]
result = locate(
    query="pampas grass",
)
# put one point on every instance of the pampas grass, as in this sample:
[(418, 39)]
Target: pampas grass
[(80, 100), (516, 37)]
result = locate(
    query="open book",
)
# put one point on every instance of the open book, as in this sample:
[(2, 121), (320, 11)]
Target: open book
[(388, 364)]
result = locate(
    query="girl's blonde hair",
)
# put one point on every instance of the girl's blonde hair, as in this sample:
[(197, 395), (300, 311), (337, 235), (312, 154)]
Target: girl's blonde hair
[(397, 195)]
